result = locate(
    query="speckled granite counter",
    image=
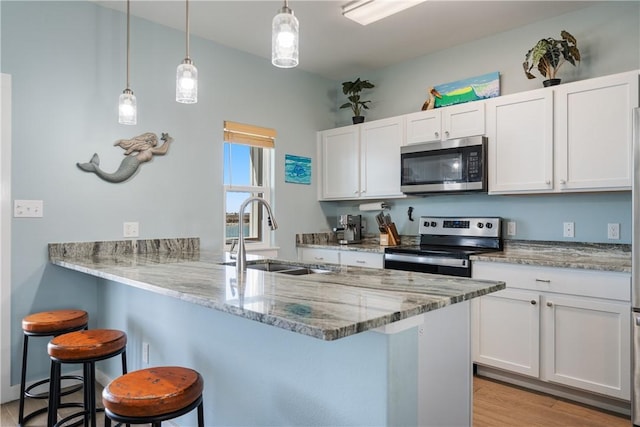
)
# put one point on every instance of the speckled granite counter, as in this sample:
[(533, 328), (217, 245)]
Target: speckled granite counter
[(589, 256), (330, 305), (328, 241)]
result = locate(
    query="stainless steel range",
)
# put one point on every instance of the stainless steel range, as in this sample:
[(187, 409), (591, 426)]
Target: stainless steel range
[(446, 243)]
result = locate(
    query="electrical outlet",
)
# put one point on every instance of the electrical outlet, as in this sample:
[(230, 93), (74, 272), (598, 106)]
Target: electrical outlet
[(28, 208), (131, 229), (511, 228), (567, 229), (613, 231), (145, 353)]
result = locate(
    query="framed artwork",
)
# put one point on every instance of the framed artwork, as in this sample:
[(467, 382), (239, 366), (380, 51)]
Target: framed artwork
[(471, 89), (297, 169)]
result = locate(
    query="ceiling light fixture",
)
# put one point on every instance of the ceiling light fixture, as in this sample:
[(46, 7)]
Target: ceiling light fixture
[(127, 107), (284, 38), (187, 75), (365, 12)]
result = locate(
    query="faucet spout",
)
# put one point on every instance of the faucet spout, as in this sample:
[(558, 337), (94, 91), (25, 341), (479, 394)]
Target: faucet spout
[(241, 258)]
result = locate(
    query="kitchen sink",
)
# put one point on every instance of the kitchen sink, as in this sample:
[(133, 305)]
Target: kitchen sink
[(284, 268)]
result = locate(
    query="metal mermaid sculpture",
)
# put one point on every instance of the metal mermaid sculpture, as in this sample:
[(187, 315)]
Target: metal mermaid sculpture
[(138, 150)]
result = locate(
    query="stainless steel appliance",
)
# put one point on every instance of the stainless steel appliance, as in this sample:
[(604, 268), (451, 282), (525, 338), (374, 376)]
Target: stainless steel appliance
[(444, 166), (446, 243), (349, 229), (635, 288)]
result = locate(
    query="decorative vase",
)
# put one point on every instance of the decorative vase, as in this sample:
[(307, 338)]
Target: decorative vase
[(357, 119), (551, 82)]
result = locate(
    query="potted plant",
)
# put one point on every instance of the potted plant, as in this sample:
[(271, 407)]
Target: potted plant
[(353, 89), (549, 54)]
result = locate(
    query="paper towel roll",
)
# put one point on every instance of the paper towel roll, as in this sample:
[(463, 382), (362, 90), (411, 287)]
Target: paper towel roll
[(373, 206)]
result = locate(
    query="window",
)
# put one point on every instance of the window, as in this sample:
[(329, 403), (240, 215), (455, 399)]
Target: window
[(247, 172)]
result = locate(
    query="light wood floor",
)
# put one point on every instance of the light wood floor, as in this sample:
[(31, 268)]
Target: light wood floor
[(495, 405)]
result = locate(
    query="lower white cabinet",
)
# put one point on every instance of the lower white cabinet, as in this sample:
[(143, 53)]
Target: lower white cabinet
[(333, 256), (565, 326)]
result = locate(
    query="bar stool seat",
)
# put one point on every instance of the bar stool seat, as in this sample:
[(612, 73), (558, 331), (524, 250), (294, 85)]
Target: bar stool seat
[(86, 347), (47, 324), (153, 395)]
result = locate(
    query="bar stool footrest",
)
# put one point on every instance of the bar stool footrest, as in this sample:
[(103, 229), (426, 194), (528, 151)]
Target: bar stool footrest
[(45, 394)]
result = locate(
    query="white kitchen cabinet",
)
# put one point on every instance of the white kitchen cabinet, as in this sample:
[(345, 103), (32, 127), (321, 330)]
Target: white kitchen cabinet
[(361, 161), (339, 154), (567, 138), (520, 134), (582, 319), (455, 121), (362, 259), (312, 255)]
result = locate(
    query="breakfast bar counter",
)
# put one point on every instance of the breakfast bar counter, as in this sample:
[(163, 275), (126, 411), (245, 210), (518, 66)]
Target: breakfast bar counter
[(342, 345)]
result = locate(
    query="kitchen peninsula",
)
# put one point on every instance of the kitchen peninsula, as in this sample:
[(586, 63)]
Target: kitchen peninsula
[(343, 345)]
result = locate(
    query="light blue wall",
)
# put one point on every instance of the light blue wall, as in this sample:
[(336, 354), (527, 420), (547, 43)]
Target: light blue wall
[(608, 36), (67, 61)]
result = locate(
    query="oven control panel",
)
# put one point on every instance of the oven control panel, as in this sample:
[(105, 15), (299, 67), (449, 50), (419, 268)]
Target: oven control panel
[(455, 226)]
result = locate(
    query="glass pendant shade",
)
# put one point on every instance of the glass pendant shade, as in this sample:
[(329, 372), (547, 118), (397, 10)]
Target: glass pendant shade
[(284, 39), (187, 82), (127, 108)]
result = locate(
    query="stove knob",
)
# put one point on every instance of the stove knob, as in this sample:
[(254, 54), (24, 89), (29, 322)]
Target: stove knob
[(480, 225), (433, 223), (489, 225)]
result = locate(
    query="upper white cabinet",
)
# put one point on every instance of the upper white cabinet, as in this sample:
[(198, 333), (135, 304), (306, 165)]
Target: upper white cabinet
[(451, 122), (361, 161), (571, 137)]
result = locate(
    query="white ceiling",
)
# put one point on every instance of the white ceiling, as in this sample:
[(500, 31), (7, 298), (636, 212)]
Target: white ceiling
[(337, 48)]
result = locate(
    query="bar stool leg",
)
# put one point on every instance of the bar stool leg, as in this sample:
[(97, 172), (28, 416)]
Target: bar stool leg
[(23, 377), (54, 390), (201, 414)]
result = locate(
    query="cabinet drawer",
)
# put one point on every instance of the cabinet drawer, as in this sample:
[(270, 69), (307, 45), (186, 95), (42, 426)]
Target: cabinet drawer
[(589, 283), (361, 259), (319, 255)]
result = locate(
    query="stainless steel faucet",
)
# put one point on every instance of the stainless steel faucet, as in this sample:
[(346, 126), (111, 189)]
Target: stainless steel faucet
[(241, 259)]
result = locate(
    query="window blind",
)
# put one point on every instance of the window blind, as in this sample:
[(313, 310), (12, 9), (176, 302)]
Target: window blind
[(254, 136)]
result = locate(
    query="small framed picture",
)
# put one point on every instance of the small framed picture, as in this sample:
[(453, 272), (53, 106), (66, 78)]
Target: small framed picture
[(297, 169)]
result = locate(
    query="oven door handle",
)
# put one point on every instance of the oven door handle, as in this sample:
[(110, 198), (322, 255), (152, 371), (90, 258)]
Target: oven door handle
[(421, 259)]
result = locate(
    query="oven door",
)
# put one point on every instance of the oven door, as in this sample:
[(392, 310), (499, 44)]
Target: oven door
[(446, 166), (424, 263)]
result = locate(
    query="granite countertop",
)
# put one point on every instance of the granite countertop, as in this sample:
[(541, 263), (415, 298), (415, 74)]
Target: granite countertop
[(589, 256), (328, 306), (326, 240)]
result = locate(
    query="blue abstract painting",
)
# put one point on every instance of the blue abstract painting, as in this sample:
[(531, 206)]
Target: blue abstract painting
[(297, 169)]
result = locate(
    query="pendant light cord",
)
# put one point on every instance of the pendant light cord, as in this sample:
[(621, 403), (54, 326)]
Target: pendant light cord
[(188, 56), (128, 35)]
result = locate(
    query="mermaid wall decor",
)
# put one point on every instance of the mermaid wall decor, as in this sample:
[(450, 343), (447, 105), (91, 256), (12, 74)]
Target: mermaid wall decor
[(138, 150)]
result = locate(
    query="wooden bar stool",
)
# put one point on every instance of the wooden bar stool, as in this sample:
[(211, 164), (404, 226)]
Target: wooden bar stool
[(47, 324), (86, 347), (153, 395)]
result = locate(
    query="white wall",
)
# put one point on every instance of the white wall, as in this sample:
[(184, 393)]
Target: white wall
[(67, 60)]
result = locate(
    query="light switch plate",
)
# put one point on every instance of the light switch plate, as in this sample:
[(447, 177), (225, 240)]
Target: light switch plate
[(511, 228), (28, 208), (568, 230), (131, 229)]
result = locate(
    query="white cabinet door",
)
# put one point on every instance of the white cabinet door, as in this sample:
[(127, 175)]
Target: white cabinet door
[(319, 255), (506, 331), (463, 120), (520, 133), (455, 121), (586, 344), (594, 133), (362, 259), (339, 155), (424, 126), (380, 143)]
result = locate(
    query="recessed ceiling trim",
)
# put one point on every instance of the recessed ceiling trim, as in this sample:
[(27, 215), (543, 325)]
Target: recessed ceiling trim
[(364, 12)]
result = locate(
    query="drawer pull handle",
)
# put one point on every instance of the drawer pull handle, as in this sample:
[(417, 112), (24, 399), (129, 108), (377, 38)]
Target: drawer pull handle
[(543, 280), (533, 302), (549, 304), (319, 258), (359, 261)]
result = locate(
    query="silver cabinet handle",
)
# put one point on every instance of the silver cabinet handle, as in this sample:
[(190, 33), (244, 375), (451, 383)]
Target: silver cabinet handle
[(543, 280), (359, 261), (318, 258), (637, 320), (533, 302), (437, 134), (548, 182), (446, 133), (549, 304), (563, 182)]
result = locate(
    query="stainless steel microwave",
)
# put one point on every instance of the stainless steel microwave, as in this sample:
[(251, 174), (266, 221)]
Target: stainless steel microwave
[(454, 165)]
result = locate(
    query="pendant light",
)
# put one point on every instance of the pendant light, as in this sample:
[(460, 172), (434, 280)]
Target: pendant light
[(187, 76), (127, 108), (284, 38)]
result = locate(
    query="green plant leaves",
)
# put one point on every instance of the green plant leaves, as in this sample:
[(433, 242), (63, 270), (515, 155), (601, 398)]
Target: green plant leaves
[(549, 54)]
